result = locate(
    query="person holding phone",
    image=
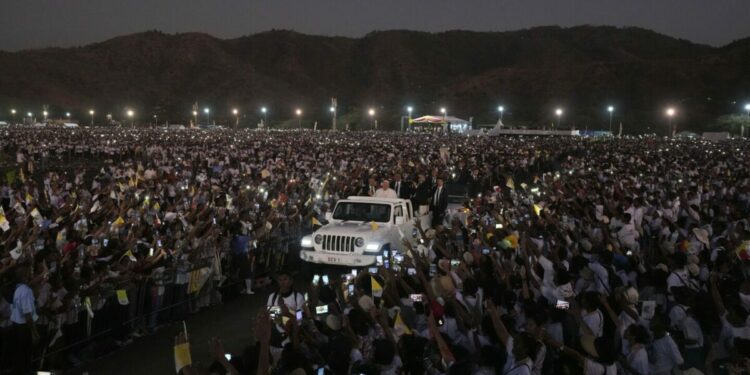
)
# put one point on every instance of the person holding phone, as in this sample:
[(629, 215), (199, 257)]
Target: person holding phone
[(288, 301)]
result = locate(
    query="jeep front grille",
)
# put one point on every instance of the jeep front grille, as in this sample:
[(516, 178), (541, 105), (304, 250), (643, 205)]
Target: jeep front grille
[(338, 243)]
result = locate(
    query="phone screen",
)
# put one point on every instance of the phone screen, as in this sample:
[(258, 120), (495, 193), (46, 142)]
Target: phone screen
[(455, 263), (351, 289), (373, 269), (486, 251), (387, 264), (228, 356), (106, 242), (158, 243), (411, 271), (416, 297), (379, 260), (325, 279), (316, 279), (321, 309), (299, 315), (433, 270), (562, 305)]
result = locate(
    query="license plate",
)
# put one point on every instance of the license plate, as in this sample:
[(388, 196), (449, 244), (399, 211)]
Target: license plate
[(333, 259)]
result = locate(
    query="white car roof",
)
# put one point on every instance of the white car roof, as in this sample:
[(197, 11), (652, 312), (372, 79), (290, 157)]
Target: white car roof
[(376, 200)]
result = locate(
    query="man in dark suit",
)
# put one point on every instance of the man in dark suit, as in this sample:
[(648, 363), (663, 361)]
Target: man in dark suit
[(403, 190), (422, 191), (439, 202)]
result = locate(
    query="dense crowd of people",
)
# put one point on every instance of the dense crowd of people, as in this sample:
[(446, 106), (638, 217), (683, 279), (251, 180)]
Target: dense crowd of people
[(572, 255)]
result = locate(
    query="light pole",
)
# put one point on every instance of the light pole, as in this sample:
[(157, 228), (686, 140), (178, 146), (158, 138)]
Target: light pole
[(156, 120), (747, 109), (263, 110), (371, 112), (409, 110), (195, 118), (236, 114), (501, 109), (208, 115), (45, 113), (670, 113), (13, 115), (91, 113), (611, 110), (559, 113), (130, 114), (333, 117), (299, 117), (30, 116)]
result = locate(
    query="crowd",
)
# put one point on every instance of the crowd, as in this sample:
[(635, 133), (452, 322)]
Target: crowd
[(593, 256)]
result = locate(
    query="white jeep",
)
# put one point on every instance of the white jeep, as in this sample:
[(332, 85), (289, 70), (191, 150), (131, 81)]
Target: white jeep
[(361, 228)]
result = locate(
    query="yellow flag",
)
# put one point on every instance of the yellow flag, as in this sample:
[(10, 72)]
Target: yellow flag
[(374, 225), (377, 289), (510, 184), (122, 297), (22, 176), (157, 206), (4, 224), (182, 356), (537, 209), (29, 199), (315, 221), (130, 256), (119, 221), (400, 327)]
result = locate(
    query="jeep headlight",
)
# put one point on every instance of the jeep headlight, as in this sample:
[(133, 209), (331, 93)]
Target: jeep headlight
[(372, 247), (306, 242), (318, 239), (359, 242)]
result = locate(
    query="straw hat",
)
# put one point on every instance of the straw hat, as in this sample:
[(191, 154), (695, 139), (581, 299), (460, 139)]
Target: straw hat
[(702, 235)]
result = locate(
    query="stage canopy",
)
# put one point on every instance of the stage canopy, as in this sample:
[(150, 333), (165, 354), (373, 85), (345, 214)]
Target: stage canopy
[(438, 120)]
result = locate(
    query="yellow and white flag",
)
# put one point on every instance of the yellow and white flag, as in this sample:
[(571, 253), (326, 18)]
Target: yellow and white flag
[(399, 327), (377, 289), (4, 224), (374, 226), (510, 184)]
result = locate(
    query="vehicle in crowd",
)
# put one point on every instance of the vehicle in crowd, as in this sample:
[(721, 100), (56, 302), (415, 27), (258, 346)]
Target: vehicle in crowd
[(3, 123), (458, 197), (176, 127), (361, 229), (70, 125)]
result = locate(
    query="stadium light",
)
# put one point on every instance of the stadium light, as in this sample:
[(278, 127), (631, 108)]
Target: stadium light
[(91, 113), (559, 113), (299, 117), (670, 114), (611, 110)]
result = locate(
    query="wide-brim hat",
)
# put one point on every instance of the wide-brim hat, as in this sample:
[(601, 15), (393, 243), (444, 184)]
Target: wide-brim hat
[(702, 236)]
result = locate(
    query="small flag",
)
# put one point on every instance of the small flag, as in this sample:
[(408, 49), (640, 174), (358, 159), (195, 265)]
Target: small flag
[(119, 221), (374, 225), (157, 206), (29, 199), (377, 289), (130, 256), (510, 184), (21, 176), (743, 251), (122, 297), (537, 209), (87, 304), (4, 225), (182, 356), (400, 327), (316, 222)]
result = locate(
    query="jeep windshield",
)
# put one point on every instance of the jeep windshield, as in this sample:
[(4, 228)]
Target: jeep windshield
[(362, 211)]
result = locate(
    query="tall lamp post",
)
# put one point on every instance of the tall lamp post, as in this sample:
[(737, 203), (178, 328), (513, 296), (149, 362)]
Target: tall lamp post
[(611, 110), (409, 110), (195, 118), (747, 109), (208, 115), (13, 115), (67, 114), (670, 114), (333, 117), (371, 112), (45, 114), (31, 117), (299, 117), (236, 114), (559, 113), (91, 113), (263, 110), (501, 109), (130, 114)]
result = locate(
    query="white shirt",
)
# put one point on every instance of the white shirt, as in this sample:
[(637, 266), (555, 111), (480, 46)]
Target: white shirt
[(595, 321), (638, 361), (23, 303), (385, 193), (293, 301), (665, 356), (513, 367), (593, 368)]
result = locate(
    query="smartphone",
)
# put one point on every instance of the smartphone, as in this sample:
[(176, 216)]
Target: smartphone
[(106, 242), (379, 260), (455, 263), (228, 356), (316, 279), (354, 273), (562, 305), (372, 270), (415, 297), (411, 271), (498, 226), (396, 268), (321, 370), (629, 253), (486, 251), (214, 220), (158, 243), (325, 279), (321, 309), (433, 270), (351, 289), (398, 259), (274, 311), (298, 315), (151, 252), (440, 322)]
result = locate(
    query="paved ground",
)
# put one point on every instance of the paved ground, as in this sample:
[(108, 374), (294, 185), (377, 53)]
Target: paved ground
[(231, 321)]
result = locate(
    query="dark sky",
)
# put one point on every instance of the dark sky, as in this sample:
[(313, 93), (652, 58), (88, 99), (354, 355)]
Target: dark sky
[(43, 23)]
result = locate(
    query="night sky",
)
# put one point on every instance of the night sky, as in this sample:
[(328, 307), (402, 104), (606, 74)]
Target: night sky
[(45, 23)]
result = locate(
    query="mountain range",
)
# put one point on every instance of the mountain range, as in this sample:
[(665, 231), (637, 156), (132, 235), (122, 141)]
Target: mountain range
[(581, 70)]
